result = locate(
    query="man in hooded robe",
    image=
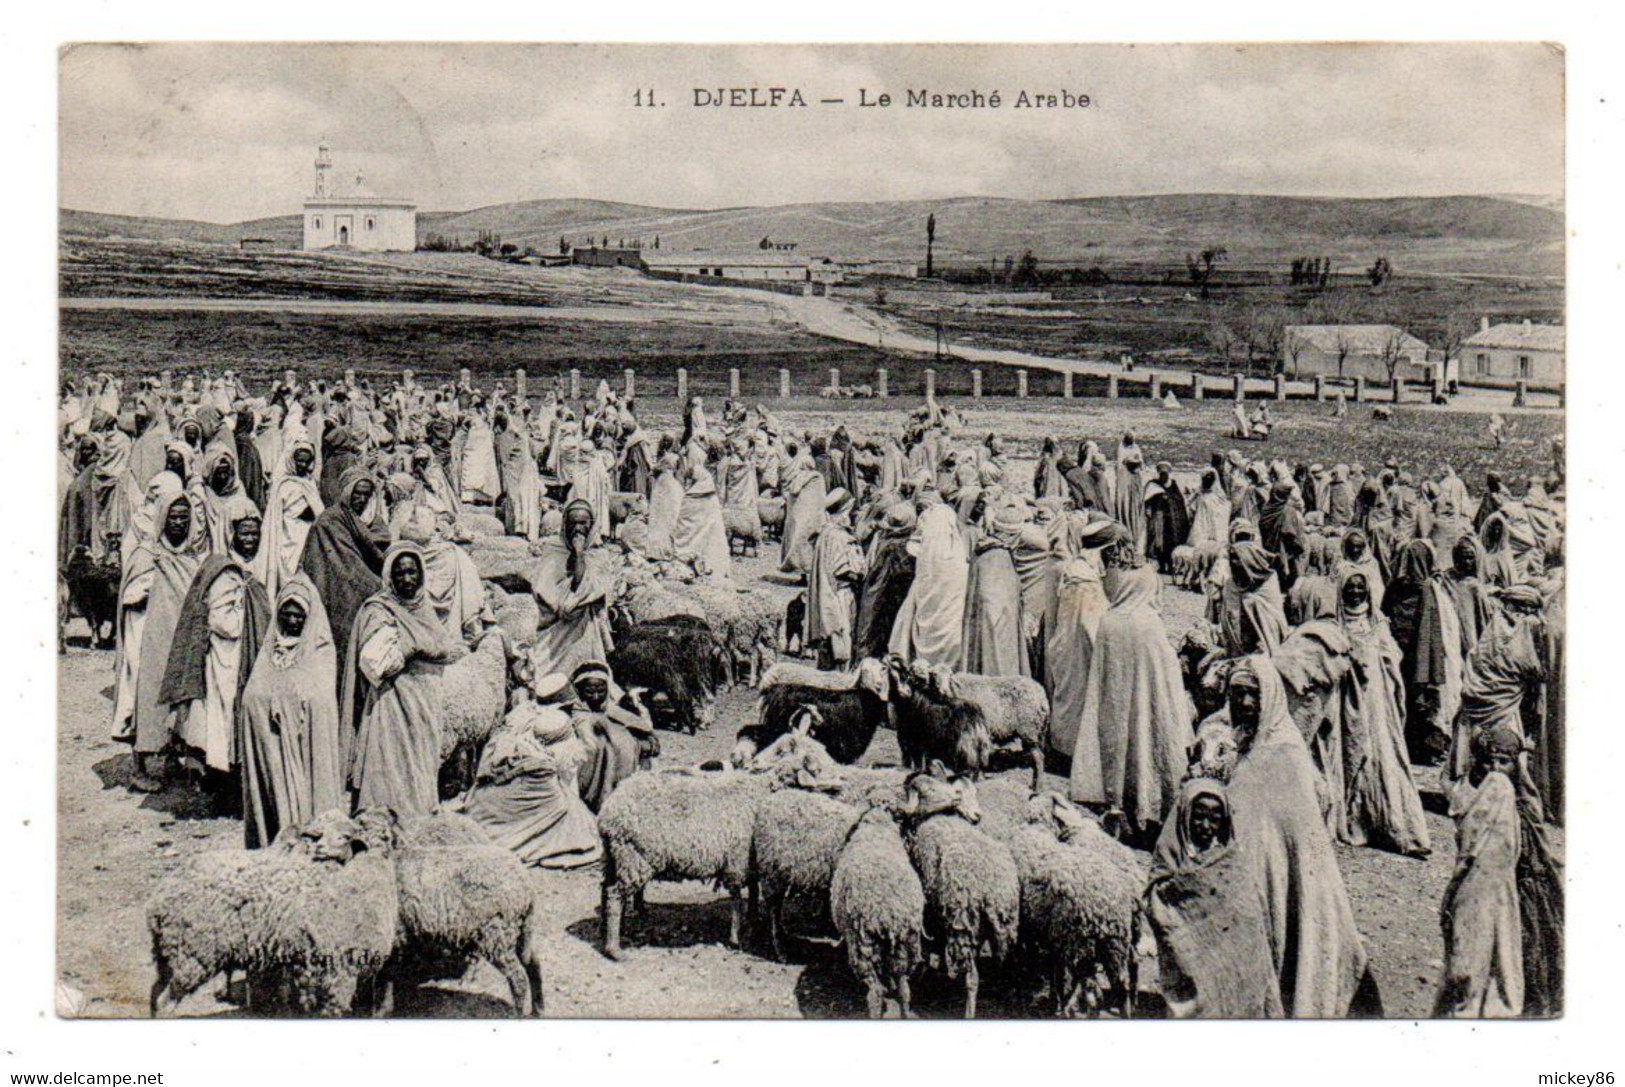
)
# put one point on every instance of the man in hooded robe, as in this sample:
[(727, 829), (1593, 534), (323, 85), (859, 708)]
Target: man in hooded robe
[(1319, 958), (527, 792), (295, 503), (1130, 753), (1468, 591), (1495, 494), (589, 482), (572, 584), (292, 749), (1128, 502), (886, 582), (158, 571), (1483, 976), (804, 493), (1281, 531), (1070, 627), (700, 532), (217, 635), (838, 567), (250, 469), (929, 627), (450, 579), (994, 640), (1425, 624), (521, 485), (618, 733), (341, 450), (1167, 520), (1338, 502), (1252, 607), (344, 554), (1383, 807), (1209, 914), (1209, 513), (391, 684), (222, 495), (479, 482), (1502, 678)]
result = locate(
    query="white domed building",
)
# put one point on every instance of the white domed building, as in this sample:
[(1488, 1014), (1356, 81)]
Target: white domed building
[(357, 218)]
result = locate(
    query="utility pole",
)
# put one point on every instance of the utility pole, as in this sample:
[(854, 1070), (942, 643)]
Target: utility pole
[(930, 241)]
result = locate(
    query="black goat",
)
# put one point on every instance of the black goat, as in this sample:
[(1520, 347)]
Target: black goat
[(677, 661), (92, 594), (933, 723), (845, 722)]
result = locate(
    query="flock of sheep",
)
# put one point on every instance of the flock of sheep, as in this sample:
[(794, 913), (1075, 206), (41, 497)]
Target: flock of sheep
[(929, 866)]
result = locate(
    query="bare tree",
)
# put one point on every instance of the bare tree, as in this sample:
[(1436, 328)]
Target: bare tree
[(1392, 352), (1200, 267)]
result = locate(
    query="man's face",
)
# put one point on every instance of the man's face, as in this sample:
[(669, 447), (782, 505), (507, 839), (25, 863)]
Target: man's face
[(174, 462), (178, 522), (290, 618), (360, 496), (406, 576), (1246, 704), (220, 479), (303, 461), (245, 537), (1355, 593), (577, 528), (1207, 821), (594, 692)]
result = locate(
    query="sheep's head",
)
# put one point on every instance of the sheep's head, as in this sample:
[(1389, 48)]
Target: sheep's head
[(872, 677), (936, 792), (331, 837), (380, 830), (1213, 753), (903, 677), (797, 761), (1057, 814)]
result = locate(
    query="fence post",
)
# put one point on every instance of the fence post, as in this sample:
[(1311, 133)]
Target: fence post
[(1280, 386), (1111, 386), (682, 384), (1320, 386), (631, 381), (976, 383), (519, 388), (1198, 386), (733, 382), (1521, 397), (1359, 388), (1239, 381), (1021, 384), (880, 383), (930, 384), (349, 379), (784, 384), (1156, 386), (834, 377), (465, 378), (575, 384), (1066, 385), (288, 377), (1398, 385)]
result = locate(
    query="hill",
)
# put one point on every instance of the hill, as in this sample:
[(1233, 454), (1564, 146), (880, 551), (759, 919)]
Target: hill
[(1438, 234)]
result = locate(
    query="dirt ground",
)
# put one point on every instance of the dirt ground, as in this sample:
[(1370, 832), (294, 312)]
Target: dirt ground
[(115, 846)]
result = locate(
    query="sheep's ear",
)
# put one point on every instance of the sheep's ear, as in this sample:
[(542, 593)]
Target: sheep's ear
[(939, 770)]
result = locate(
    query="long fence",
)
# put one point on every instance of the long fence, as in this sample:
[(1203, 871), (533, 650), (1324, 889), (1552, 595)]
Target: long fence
[(973, 382)]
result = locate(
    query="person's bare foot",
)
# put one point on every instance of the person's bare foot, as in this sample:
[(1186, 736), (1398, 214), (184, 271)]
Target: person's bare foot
[(143, 782)]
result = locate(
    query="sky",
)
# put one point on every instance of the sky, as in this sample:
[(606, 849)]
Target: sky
[(227, 132)]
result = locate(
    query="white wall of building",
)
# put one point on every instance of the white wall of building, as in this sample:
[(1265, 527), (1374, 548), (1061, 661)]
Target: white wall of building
[(362, 225)]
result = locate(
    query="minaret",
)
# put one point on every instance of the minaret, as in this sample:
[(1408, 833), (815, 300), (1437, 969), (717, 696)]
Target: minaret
[(324, 163)]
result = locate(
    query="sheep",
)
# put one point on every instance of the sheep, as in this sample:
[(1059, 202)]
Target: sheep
[(1213, 752), (770, 509), (845, 720), (972, 891), (1193, 562), (460, 902), (1016, 710), (1080, 894), (517, 614), (795, 843), (744, 530), (503, 557), (877, 905), (474, 692), (676, 660), (312, 918), (694, 824), (444, 827), (479, 525), (934, 724), (623, 507)]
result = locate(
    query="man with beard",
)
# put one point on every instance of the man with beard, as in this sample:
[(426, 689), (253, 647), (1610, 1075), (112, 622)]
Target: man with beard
[(571, 588), (344, 553), (1167, 520)]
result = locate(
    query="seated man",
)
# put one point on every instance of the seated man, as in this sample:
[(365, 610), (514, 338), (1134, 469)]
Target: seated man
[(619, 735)]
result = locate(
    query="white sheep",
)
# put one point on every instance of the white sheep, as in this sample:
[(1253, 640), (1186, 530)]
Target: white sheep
[(517, 614), (972, 891), (693, 824), (1016, 709), (878, 906), (795, 843), (474, 692)]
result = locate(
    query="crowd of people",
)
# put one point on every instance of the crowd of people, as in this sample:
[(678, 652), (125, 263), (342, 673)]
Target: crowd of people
[(294, 581)]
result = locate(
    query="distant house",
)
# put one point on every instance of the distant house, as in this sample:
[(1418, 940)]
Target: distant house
[(769, 266), (599, 257), (1505, 354), (358, 218), (1350, 351)]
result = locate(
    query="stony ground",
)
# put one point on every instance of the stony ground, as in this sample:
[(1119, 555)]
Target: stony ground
[(114, 847)]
